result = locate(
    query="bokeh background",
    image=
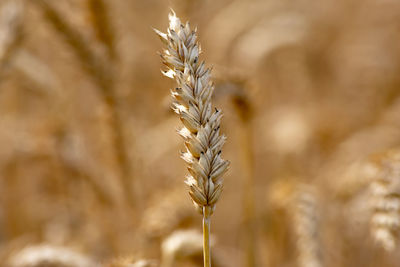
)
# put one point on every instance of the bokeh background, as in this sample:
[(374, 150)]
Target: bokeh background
[(89, 155)]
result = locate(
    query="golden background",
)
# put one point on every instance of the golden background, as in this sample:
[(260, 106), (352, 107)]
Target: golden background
[(89, 155)]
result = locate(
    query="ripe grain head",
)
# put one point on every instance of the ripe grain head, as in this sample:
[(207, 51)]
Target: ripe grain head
[(192, 102)]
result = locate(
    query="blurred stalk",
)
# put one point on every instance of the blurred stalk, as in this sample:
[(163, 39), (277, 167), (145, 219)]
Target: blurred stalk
[(11, 17), (96, 65), (99, 67), (244, 110), (100, 19), (235, 86), (11, 211)]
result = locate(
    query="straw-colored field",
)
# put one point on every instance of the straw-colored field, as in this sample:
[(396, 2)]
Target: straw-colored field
[(90, 167)]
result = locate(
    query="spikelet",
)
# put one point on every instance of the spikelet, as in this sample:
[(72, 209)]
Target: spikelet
[(181, 244), (165, 212), (385, 202), (192, 102), (306, 226)]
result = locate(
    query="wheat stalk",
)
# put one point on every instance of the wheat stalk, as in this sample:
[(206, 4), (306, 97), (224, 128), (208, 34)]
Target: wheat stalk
[(201, 130)]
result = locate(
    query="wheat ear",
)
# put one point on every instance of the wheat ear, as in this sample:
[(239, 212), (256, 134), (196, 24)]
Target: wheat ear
[(201, 125), (48, 255), (385, 203), (306, 226)]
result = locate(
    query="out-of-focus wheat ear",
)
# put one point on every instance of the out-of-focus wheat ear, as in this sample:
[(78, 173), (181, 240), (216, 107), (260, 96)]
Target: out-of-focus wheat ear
[(306, 226), (201, 123), (385, 202), (144, 263), (100, 19), (181, 244), (165, 212), (47, 255), (131, 262), (11, 16)]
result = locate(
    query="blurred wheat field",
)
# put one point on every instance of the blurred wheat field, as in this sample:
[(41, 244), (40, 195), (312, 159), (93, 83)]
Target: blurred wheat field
[(90, 168)]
